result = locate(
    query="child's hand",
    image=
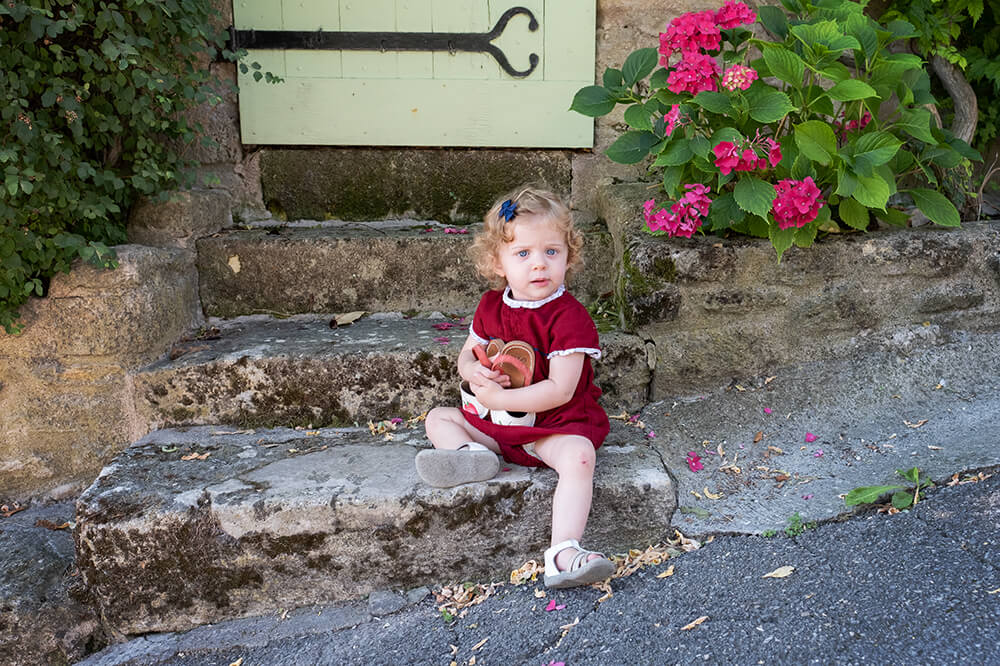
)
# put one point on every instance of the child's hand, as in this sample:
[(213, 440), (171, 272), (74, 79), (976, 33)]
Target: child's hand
[(487, 391), (481, 373)]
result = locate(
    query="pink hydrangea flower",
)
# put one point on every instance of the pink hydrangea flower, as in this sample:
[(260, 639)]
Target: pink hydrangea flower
[(748, 160), (695, 73), (733, 14), (690, 33), (739, 77), (671, 117), (773, 152), (797, 204), (685, 215), (727, 156)]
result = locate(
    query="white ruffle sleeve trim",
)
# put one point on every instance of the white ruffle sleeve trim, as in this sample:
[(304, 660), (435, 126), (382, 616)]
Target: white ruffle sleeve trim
[(477, 338), (589, 351)]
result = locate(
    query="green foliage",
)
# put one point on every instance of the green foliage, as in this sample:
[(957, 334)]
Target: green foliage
[(860, 134), (903, 498), (91, 95), (796, 526), (966, 33)]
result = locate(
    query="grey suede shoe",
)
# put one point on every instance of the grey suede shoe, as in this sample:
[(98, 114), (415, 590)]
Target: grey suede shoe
[(444, 468)]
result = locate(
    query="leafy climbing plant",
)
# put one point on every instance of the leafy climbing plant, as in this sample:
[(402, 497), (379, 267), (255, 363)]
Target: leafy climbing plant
[(966, 33), (92, 94)]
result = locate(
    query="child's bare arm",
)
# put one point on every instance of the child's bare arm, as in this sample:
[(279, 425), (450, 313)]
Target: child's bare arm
[(557, 389)]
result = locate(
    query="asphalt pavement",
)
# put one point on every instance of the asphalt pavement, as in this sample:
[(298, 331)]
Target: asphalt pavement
[(920, 586)]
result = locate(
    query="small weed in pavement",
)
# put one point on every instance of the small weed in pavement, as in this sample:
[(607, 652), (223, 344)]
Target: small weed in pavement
[(904, 498), (796, 526)]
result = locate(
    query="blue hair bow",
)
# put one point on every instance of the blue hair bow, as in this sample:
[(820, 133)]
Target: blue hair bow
[(508, 210)]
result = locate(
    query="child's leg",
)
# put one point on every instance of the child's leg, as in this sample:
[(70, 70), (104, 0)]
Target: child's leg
[(448, 429), (572, 457)]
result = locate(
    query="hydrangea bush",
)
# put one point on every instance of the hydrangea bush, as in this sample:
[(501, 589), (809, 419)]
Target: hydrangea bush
[(818, 126)]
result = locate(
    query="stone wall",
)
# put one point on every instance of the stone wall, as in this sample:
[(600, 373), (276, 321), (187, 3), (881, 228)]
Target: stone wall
[(65, 394)]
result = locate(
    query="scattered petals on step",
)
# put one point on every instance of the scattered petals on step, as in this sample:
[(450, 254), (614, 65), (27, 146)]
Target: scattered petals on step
[(556, 663), (553, 606), (807, 497), (818, 453), (453, 230), (443, 340), (767, 410), (810, 438), (694, 461), (443, 325), (651, 435)]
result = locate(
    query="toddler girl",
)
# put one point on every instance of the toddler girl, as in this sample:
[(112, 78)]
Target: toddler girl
[(526, 249)]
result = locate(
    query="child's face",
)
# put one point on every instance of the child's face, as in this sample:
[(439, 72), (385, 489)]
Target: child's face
[(534, 262)]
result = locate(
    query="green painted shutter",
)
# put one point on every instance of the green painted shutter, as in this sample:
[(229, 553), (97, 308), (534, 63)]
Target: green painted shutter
[(435, 98)]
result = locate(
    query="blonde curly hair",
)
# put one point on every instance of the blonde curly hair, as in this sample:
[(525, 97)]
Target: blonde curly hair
[(530, 200)]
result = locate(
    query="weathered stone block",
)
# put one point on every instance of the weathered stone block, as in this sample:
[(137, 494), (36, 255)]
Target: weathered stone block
[(263, 372), (369, 184), (64, 396), (381, 266), (44, 616), (288, 518), (181, 220)]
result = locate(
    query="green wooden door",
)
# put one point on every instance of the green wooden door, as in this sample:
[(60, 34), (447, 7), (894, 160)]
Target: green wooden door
[(420, 98)]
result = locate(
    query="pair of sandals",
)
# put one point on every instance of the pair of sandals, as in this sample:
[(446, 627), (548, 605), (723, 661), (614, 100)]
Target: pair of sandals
[(516, 359)]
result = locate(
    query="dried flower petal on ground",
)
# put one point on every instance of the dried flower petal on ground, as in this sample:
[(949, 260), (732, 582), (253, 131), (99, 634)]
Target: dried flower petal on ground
[(810, 438)]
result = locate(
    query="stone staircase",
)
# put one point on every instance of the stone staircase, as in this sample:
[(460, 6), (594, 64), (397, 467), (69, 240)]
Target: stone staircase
[(279, 469)]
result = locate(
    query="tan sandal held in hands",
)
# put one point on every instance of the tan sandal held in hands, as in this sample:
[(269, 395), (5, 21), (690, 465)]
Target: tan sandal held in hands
[(581, 571), (516, 360)]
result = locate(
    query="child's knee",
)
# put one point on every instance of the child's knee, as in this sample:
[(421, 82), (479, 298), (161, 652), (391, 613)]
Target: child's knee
[(439, 416), (578, 457)]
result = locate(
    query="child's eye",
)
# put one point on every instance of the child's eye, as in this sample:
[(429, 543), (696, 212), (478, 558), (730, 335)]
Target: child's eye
[(551, 252), (522, 253)]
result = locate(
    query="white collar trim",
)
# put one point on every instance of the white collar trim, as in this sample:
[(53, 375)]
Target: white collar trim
[(510, 301)]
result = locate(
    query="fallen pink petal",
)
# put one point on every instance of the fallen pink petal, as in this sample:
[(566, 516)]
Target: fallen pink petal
[(396, 420), (807, 497), (767, 410), (556, 663), (443, 340), (818, 453), (633, 418), (694, 461), (505, 469), (443, 326), (651, 435), (810, 438), (553, 606)]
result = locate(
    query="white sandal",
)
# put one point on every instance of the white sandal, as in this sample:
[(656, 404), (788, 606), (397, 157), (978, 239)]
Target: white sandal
[(581, 571)]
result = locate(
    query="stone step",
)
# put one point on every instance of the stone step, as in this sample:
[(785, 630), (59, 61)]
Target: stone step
[(285, 518), (396, 265), (260, 371)]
